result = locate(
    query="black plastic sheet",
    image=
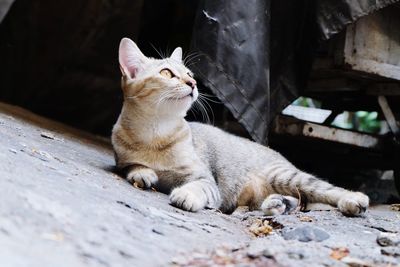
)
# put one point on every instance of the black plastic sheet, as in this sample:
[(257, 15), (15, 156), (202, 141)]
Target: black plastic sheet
[(256, 55), (232, 39)]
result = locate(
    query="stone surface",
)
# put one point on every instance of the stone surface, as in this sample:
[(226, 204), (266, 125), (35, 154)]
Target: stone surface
[(61, 205)]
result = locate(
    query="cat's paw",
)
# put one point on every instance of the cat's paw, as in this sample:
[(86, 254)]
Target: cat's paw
[(188, 198), (143, 178), (353, 203), (276, 204)]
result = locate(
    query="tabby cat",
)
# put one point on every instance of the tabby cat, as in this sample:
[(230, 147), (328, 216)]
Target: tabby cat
[(199, 165)]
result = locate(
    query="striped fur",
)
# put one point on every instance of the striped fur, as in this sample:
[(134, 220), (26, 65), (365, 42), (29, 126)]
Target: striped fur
[(200, 165)]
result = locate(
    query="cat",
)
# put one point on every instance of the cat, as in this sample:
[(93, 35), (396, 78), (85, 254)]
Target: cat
[(199, 165)]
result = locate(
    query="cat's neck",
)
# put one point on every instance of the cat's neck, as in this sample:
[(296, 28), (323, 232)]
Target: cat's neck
[(146, 126)]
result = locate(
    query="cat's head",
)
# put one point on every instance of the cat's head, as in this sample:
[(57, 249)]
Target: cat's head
[(162, 86)]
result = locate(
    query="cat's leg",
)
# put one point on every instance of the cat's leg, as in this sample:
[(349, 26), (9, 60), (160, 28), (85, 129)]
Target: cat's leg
[(196, 195), (276, 204), (142, 176), (284, 178)]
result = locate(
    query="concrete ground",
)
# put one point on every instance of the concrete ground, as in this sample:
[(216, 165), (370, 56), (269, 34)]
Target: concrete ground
[(61, 205)]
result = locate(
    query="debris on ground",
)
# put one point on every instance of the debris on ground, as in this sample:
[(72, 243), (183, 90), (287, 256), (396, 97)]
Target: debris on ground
[(306, 219), (260, 228), (339, 253), (224, 257)]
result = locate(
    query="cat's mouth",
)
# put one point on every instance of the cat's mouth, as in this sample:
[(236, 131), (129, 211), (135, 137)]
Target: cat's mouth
[(184, 97)]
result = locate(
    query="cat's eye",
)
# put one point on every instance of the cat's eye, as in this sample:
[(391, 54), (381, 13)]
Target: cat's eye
[(190, 74), (167, 73)]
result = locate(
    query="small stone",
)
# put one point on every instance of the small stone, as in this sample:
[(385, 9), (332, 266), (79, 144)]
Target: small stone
[(268, 253), (57, 236), (306, 219), (306, 234), (42, 155), (395, 207), (388, 239), (179, 260), (51, 136), (355, 262), (47, 135), (391, 251), (295, 255), (12, 150)]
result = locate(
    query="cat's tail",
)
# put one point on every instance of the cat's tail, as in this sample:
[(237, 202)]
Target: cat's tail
[(285, 179)]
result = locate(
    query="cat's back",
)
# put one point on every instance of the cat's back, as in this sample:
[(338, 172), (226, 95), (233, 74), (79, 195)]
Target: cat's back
[(222, 148), (217, 137)]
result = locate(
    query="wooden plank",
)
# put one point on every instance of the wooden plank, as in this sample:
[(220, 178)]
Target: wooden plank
[(386, 89), (372, 44), (389, 116), (291, 126)]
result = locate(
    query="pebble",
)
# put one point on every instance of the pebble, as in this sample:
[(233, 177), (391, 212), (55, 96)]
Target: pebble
[(391, 251), (47, 135), (356, 262), (388, 239), (306, 234)]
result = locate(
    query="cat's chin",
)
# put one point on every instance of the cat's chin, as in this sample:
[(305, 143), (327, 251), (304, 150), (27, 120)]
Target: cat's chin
[(183, 98), (179, 106)]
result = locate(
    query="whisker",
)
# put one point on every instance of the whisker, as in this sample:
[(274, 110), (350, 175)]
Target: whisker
[(190, 58), (195, 110), (204, 96), (203, 110), (190, 54), (196, 105), (163, 56), (164, 96), (206, 104)]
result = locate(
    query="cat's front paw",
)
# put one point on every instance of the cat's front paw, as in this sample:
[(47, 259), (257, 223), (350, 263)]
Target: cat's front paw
[(353, 203), (188, 198), (143, 178)]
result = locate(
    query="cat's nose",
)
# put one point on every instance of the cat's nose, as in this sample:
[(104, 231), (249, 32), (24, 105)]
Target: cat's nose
[(191, 83)]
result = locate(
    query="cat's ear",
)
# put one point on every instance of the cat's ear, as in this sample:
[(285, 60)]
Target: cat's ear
[(131, 59), (177, 54)]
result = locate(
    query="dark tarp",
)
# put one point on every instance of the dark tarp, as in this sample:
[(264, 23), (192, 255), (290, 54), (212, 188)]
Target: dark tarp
[(234, 63), (256, 55), (4, 7)]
